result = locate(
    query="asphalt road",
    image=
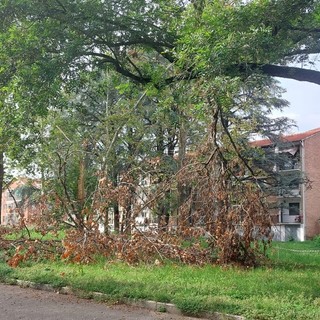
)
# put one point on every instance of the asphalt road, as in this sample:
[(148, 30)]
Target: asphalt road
[(29, 304)]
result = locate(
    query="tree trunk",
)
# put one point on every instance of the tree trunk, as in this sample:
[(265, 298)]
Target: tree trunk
[(184, 191), (81, 186), (116, 217)]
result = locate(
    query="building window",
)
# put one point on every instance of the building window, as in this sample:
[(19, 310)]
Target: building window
[(294, 209)]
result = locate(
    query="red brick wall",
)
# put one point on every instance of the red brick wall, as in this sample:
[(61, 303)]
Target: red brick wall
[(311, 167)]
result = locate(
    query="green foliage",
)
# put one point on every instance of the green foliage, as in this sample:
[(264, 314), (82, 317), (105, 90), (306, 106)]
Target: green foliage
[(231, 34), (5, 270), (317, 241)]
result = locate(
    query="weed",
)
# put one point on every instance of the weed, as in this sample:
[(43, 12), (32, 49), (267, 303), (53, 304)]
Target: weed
[(162, 309)]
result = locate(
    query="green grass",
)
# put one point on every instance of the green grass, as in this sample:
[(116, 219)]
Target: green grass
[(23, 234), (296, 255), (287, 288)]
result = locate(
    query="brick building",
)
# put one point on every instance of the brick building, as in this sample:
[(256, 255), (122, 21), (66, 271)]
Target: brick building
[(298, 212), (15, 203)]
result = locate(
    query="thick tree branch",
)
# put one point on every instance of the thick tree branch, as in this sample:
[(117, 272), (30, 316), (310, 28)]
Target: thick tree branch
[(157, 45), (135, 67), (307, 30), (118, 67), (293, 73), (287, 72)]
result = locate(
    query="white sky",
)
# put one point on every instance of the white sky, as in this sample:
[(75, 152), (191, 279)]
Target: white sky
[(304, 101)]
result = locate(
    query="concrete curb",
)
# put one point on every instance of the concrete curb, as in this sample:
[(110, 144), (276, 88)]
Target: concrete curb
[(146, 304)]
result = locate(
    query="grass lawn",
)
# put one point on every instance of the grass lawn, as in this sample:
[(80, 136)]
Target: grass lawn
[(288, 288), (35, 235)]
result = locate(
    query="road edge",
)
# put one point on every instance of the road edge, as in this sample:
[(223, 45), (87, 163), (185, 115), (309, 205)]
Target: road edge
[(169, 308)]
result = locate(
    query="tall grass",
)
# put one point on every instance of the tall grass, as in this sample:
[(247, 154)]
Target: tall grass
[(288, 287)]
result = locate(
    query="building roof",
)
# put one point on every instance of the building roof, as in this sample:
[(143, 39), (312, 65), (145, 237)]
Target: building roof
[(287, 138)]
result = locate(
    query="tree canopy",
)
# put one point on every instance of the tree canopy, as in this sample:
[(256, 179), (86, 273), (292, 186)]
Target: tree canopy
[(104, 95), (159, 41)]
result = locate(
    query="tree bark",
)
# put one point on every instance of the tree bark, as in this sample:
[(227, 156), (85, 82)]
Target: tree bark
[(116, 218), (81, 184), (286, 72)]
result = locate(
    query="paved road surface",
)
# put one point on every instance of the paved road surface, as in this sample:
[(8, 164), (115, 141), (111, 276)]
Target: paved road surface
[(28, 304)]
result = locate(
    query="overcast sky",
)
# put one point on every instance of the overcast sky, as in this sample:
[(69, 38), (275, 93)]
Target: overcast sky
[(304, 101)]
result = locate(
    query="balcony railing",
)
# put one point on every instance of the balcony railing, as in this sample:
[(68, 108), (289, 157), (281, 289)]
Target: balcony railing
[(290, 219)]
